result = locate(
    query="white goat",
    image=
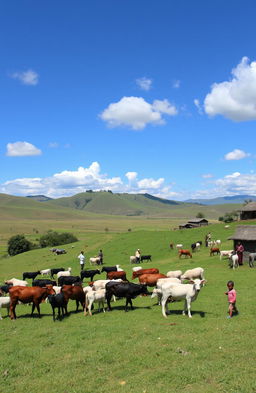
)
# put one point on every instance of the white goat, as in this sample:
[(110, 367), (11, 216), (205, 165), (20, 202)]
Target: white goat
[(179, 246), (94, 260)]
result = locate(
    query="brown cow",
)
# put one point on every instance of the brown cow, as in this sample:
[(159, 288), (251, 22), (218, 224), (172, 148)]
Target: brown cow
[(33, 295), (187, 253), (214, 250), (144, 271), (116, 275), (150, 279), (74, 292)]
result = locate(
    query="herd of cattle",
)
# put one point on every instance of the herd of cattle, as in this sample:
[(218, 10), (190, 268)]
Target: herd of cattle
[(169, 287)]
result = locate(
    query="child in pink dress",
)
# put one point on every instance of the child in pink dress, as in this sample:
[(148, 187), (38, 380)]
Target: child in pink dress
[(231, 299)]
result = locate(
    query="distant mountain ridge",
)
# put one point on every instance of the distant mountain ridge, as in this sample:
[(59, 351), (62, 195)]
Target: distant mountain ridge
[(39, 198), (223, 200)]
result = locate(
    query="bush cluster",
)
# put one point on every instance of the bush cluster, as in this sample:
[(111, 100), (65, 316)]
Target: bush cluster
[(18, 244), (53, 238)]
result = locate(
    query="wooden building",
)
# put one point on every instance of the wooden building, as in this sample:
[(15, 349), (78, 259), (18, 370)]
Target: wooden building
[(246, 234), (248, 212), (194, 223)]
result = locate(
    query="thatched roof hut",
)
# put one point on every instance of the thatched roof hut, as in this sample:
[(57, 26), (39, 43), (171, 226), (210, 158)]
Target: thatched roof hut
[(199, 222), (248, 212), (246, 234)]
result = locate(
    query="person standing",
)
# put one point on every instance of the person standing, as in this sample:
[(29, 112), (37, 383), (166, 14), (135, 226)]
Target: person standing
[(240, 253), (231, 293), (137, 255), (100, 255), (81, 257)]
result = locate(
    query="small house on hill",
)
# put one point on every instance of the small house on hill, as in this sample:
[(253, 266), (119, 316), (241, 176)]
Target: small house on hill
[(248, 212), (194, 223), (198, 222), (246, 234)]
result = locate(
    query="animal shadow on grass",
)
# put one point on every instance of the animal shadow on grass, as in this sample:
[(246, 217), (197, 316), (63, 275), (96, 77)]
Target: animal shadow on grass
[(179, 312), (114, 308)]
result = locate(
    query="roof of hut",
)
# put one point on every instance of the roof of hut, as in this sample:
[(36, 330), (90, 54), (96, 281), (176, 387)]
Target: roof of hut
[(197, 220), (249, 207), (244, 232)]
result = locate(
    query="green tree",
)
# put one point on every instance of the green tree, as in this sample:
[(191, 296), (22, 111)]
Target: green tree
[(53, 238), (200, 215), (18, 244)]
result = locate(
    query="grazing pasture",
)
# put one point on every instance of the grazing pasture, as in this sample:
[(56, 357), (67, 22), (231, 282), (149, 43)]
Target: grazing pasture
[(136, 351)]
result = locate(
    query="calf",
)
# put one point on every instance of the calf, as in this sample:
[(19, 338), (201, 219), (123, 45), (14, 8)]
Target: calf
[(45, 272), (58, 301), (65, 273), (225, 253), (191, 274), (69, 280), (108, 269), (174, 274), (15, 281), (43, 282), (30, 275), (94, 297), (89, 274), (127, 290)]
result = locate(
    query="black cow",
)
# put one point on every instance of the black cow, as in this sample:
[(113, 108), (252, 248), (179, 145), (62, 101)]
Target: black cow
[(70, 280), (108, 269), (42, 283), (57, 270), (145, 258), (30, 275), (124, 289), (5, 288), (89, 274), (58, 301)]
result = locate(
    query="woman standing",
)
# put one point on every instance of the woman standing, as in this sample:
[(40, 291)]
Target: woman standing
[(240, 251)]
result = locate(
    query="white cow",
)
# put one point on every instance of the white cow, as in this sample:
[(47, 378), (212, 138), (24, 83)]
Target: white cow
[(4, 303), (188, 292), (101, 284), (45, 272), (94, 297), (66, 273), (191, 274), (159, 285), (174, 273), (15, 281)]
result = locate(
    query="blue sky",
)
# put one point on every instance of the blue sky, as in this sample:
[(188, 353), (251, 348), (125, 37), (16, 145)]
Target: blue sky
[(131, 96)]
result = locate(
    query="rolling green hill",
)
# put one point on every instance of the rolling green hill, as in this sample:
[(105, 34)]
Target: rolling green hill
[(90, 204)]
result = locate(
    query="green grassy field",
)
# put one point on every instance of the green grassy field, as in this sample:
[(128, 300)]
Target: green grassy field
[(138, 351)]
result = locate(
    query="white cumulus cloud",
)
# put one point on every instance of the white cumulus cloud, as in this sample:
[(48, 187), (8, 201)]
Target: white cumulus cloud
[(69, 182), (236, 154), (19, 149), (144, 83), (136, 113), (28, 77), (235, 99)]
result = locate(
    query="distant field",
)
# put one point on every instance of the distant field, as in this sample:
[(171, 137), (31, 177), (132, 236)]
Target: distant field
[(138, 351)]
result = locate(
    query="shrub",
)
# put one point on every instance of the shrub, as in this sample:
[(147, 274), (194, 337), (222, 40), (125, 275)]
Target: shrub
[(200, 215), (53, 238), (18, 244)]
